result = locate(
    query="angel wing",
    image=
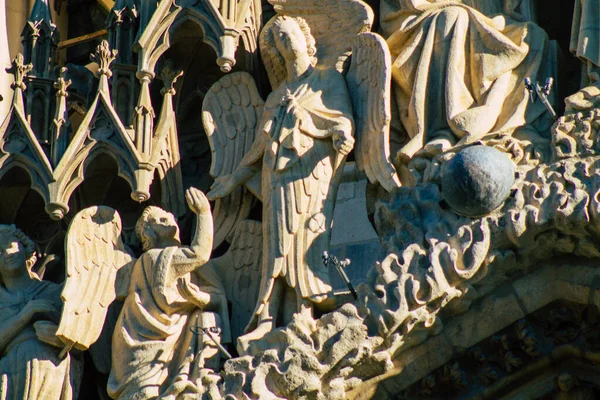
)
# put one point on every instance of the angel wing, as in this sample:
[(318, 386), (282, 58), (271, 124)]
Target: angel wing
[(333, 24), (231, 112), (94, 255), (369, 83), (239, 269)]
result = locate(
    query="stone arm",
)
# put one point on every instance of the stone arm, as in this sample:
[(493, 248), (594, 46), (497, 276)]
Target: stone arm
[(251, 163), (188, 259), (249, 166), (11, 327), (208, 299)]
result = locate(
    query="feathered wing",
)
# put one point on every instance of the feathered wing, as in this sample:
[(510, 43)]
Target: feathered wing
[(231, 112), (240, 270), (94, 255), (333, 24), (369, 83)]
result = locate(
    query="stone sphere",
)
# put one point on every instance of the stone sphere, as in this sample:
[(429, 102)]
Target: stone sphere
[(477, 180)]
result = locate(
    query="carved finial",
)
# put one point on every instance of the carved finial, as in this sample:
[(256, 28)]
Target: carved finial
[(19, 69), (61, 85), (169, 76), (104, 56), (121, 7)]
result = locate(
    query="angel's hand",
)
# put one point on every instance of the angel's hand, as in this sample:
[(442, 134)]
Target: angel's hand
[(197, 201), (46, 332), (192, 293), (343, 142), (40, 309), (222, 187)]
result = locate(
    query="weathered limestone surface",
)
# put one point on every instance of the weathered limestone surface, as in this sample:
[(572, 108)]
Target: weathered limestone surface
[(473, 249)]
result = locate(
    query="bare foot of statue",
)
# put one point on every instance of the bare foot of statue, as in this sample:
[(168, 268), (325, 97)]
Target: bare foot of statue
[(585, 99), (245, 341)]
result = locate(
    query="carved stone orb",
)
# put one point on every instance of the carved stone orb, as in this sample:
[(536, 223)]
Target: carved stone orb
[(477, 180)]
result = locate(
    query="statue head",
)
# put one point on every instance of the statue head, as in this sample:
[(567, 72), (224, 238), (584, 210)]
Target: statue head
[(156, 225), (286, 37), (566, 381), (17, 252)]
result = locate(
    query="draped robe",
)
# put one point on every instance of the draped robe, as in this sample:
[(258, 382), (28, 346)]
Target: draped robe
[(585, 36), (300, 175), (153, 346), (29, 368), (458, 69)]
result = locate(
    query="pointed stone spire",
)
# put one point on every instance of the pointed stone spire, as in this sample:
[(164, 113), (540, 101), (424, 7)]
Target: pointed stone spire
[(122, 26), (60, 124), (122, 4), (39, 38), (41, 12), (146, 10), (167, 144)]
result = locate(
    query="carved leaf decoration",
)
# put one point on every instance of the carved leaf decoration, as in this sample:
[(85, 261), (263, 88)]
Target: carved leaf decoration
[(369, 84), (487, 375), (564, 325), (427, 385), (529, 343), (455, 376), (231, 113), (94, 255), (511, 362)]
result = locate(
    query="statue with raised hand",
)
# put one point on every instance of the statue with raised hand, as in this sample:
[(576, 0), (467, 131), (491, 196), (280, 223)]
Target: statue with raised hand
[(159, 345), (155, 337)]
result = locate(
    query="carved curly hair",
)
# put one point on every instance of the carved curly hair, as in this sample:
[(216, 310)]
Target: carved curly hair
[(146, 236), (272, 59), (11, 231)]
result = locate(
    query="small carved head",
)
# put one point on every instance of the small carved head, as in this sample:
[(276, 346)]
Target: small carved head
[(16, 251), (284, 37), (154, 225), (566, 381)]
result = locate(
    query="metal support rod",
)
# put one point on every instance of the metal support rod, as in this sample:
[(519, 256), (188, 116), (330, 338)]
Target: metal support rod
[(81, 39), (538, 92), (219, 346), (197, 330), (339, 266)]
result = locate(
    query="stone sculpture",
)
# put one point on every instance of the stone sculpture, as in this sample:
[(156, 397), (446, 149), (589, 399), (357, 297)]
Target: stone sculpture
[(484, 274), (305, 132), (585, 44), (165, 341), (30, 365), (458, 70), (154, 349)]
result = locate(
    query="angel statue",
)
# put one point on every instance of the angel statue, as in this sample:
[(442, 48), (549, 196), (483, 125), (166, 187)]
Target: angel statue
[(30, 365), (160, 348), (297, 142)]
